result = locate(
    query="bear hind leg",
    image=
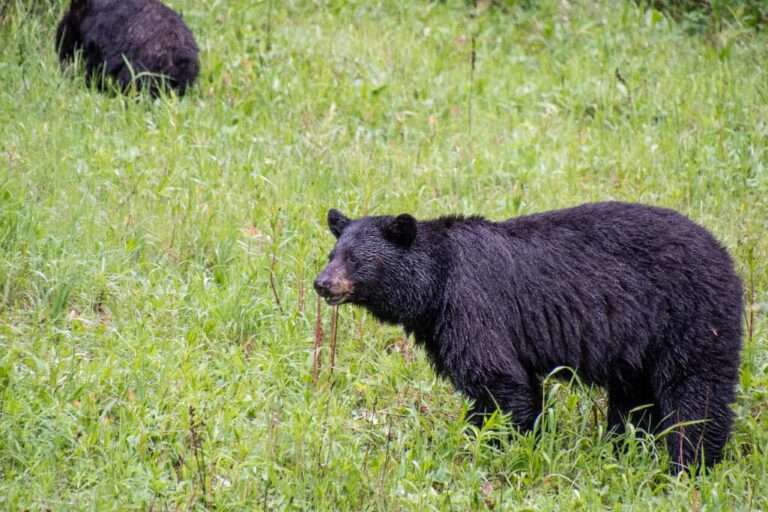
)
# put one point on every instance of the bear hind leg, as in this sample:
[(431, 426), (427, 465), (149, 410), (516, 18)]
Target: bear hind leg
[(697, 421)]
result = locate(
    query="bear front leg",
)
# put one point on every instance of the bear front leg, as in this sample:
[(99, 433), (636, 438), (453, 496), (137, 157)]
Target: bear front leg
[(94, 66), (519, 398), (633, 403)]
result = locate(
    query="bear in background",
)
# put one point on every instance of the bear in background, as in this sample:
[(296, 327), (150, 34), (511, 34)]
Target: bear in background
[(637, 299), (139, 42)]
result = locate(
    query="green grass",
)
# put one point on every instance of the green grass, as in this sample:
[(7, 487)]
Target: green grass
[(137, 239)]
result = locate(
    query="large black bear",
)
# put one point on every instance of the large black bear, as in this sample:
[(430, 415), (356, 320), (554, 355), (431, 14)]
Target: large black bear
[(139, 42), (635, 298)]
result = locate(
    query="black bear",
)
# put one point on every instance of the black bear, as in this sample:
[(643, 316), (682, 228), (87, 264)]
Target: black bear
[(139, 42), (635, 298)]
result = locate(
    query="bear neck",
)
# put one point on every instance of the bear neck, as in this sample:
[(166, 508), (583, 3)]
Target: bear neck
[(437, 251), (410, 295), (420, 297), (414, 307)]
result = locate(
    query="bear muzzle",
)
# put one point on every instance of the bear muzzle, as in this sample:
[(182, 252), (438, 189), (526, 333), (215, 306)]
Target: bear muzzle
[(333, 286)]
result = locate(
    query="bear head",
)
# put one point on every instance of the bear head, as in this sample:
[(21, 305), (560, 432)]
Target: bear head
[(382, 263)]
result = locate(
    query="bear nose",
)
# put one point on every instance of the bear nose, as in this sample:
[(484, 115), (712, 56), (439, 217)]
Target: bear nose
[(323, 286)]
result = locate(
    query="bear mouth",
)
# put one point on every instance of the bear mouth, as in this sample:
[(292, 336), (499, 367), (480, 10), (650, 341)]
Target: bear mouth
[(336, 300)]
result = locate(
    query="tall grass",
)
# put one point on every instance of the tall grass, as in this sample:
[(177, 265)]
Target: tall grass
[(156, 256)]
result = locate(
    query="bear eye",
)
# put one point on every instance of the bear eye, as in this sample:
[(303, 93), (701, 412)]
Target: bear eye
[(352, 258)]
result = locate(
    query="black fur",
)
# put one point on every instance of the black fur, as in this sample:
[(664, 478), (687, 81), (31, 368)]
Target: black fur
[(126, 38), (402, 230), (637, 299), (336, 222)]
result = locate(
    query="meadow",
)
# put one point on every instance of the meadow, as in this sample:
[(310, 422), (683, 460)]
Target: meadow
[(157, 317)]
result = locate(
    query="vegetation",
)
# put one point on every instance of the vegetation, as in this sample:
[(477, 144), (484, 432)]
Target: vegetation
[(156, 257), (712, 15)]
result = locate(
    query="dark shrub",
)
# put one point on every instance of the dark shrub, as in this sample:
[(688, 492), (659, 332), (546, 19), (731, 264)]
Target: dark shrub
[(700, 15)]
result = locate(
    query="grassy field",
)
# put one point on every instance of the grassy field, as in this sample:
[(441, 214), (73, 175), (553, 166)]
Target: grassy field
[(156, 258)]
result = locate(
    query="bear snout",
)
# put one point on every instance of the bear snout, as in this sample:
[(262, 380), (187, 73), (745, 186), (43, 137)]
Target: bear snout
[(333, 286), (323, 286)]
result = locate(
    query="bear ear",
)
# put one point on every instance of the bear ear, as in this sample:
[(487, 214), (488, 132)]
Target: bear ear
[(401, 230), (337, 222)]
